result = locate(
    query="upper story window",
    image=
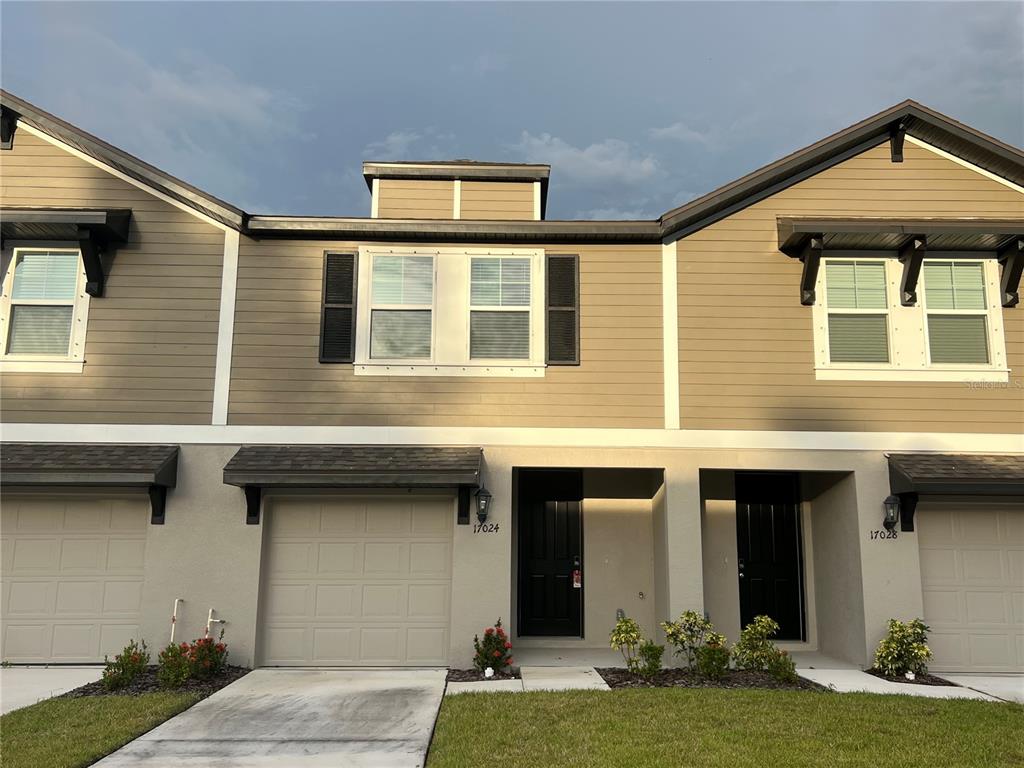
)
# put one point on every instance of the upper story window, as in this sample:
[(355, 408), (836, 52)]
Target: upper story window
[(44, 311), (450, 312), (954, 333)]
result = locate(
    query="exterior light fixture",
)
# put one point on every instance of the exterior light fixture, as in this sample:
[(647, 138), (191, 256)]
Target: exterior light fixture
[(483, 503), (892, 511)]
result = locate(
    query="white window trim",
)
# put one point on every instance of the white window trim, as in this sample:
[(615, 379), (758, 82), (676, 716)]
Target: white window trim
[(371, 305), (450, 317), (909, 358), (74, 361), (528, 308)]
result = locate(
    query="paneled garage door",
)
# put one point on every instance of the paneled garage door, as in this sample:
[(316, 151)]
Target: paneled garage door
[(72, 572), (972, 573), (356, 581)]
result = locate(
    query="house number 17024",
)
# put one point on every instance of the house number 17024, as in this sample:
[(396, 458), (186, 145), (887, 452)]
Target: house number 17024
[(882, 534), (485, 528)]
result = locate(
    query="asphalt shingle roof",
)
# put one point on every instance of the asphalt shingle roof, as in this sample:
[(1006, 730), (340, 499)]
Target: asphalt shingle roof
[(70, 463), (944, 472)]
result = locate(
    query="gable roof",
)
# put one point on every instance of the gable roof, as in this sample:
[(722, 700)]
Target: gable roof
[(127, 164)]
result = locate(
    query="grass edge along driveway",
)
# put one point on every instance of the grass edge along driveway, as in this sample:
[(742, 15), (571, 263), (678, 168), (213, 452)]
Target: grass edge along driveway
[(739, 729), (66, 733)]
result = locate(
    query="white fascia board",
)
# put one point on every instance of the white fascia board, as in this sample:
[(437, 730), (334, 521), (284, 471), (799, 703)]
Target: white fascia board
[(225, 328), (964, 163), (953, 442), (123, 176)]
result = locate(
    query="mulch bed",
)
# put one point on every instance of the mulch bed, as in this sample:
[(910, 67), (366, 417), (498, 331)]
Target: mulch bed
[(472, 675), (146, 682), (617, 677), (922, 678)]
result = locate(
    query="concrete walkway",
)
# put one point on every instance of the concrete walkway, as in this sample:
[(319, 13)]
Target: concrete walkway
[(1005, 687), (537, 679), (854, 680), (23, 686), (299, 718)]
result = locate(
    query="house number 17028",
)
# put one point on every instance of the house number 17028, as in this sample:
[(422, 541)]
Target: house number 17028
[(880, 534), (485, 528)]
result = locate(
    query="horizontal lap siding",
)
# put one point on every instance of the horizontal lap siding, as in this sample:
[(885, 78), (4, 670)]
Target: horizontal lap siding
[(497, 200), (152, 338), (277, 379), (746, 355), (411, 199)]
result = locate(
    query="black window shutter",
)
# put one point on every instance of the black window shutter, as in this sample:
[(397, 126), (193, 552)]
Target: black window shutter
[(338, 311), (563, 309)]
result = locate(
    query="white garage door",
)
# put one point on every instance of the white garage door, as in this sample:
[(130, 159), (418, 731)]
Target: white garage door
[(356, 581), (972, 573), (72, 574)]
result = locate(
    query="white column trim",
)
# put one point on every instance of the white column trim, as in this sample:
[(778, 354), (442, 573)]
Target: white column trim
[(225, 329), (670, 332), (457, 199), (964, 163), (536, 201), (375, 199)]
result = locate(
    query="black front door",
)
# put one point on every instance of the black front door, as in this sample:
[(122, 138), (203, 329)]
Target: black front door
[(550, 553), (768, 549)]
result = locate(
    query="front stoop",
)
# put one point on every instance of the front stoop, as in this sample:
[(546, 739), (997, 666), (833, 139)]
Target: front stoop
[(562, 679), (854, 681)]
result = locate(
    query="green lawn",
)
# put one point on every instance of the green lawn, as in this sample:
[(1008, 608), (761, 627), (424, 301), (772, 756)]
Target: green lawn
[(61, 733), (676, 727)]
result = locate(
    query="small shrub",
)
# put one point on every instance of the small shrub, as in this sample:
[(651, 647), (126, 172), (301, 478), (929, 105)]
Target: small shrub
[(173, 668), (494, 651), (712, 658), (647, 661), (207, 658), (126, 666), (782, 667), (688, 633), (904, 648), (755, 650), (626, 637)]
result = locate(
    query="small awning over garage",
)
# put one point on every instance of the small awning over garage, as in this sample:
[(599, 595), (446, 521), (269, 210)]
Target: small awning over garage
[(56, 465), (94, 231), (255, 467), (912, 475)]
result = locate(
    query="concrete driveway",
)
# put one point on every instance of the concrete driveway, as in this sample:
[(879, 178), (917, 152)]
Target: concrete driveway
[(1006, 687), (299, 718), (22, 686)]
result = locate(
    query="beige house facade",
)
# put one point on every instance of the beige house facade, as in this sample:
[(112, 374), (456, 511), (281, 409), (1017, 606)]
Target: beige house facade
[(359, 441)]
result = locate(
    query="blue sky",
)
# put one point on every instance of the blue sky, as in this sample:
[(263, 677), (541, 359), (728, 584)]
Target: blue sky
[(637, 107)]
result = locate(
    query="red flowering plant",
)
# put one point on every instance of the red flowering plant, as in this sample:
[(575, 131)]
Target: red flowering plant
[(494, 651), (173, 667), (125, 666), (207, 657)]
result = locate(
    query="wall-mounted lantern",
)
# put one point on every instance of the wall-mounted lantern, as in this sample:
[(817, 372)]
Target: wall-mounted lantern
[(892, 511), (483, 503)]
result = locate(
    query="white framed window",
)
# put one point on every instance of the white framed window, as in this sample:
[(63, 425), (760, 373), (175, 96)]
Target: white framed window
[(44, 311), (450, 312), (863, 333)]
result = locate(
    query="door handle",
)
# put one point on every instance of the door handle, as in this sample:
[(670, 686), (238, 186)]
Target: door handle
[(741, 566)]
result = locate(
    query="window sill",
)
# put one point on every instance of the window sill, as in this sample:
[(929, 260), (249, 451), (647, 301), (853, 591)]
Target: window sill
[(956, 375), (431, 369), (37, 365)]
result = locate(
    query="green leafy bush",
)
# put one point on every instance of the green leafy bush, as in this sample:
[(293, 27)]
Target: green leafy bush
[(494, 651), (687, 634), (173, 668), (904, 648), (712, 658), (207, 657), (126, 666), (625, 638), (782, 667), (755, 650), (647, 661)]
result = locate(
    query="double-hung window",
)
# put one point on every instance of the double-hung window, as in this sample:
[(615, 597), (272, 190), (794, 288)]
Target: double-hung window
[(952, 333), (402, 307), (499, 316), (44, 311)]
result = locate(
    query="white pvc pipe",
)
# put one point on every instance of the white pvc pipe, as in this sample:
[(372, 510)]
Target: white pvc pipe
[(210, 620), (174, 617)]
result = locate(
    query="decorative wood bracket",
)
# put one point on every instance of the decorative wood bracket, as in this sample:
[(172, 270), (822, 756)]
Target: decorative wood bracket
[(897, 133), (811, 257), (911, 255), (908, 506), (95, 279), (253, 499), (8, 125), (157, 504), (1011, 256), (465, 496)]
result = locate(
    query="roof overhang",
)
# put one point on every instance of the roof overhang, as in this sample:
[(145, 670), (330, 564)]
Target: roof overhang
[(76, 465), (910, 240), (454, 230), (94, 231)]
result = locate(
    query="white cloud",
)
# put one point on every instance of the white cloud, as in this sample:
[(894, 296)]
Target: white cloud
[(431, 144), (680, 131), (611, 160), (394, 146), (616, 214)]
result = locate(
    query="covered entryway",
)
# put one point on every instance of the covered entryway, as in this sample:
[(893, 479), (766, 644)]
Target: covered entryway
[(356, 581), (972, 580), (72, 575)]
